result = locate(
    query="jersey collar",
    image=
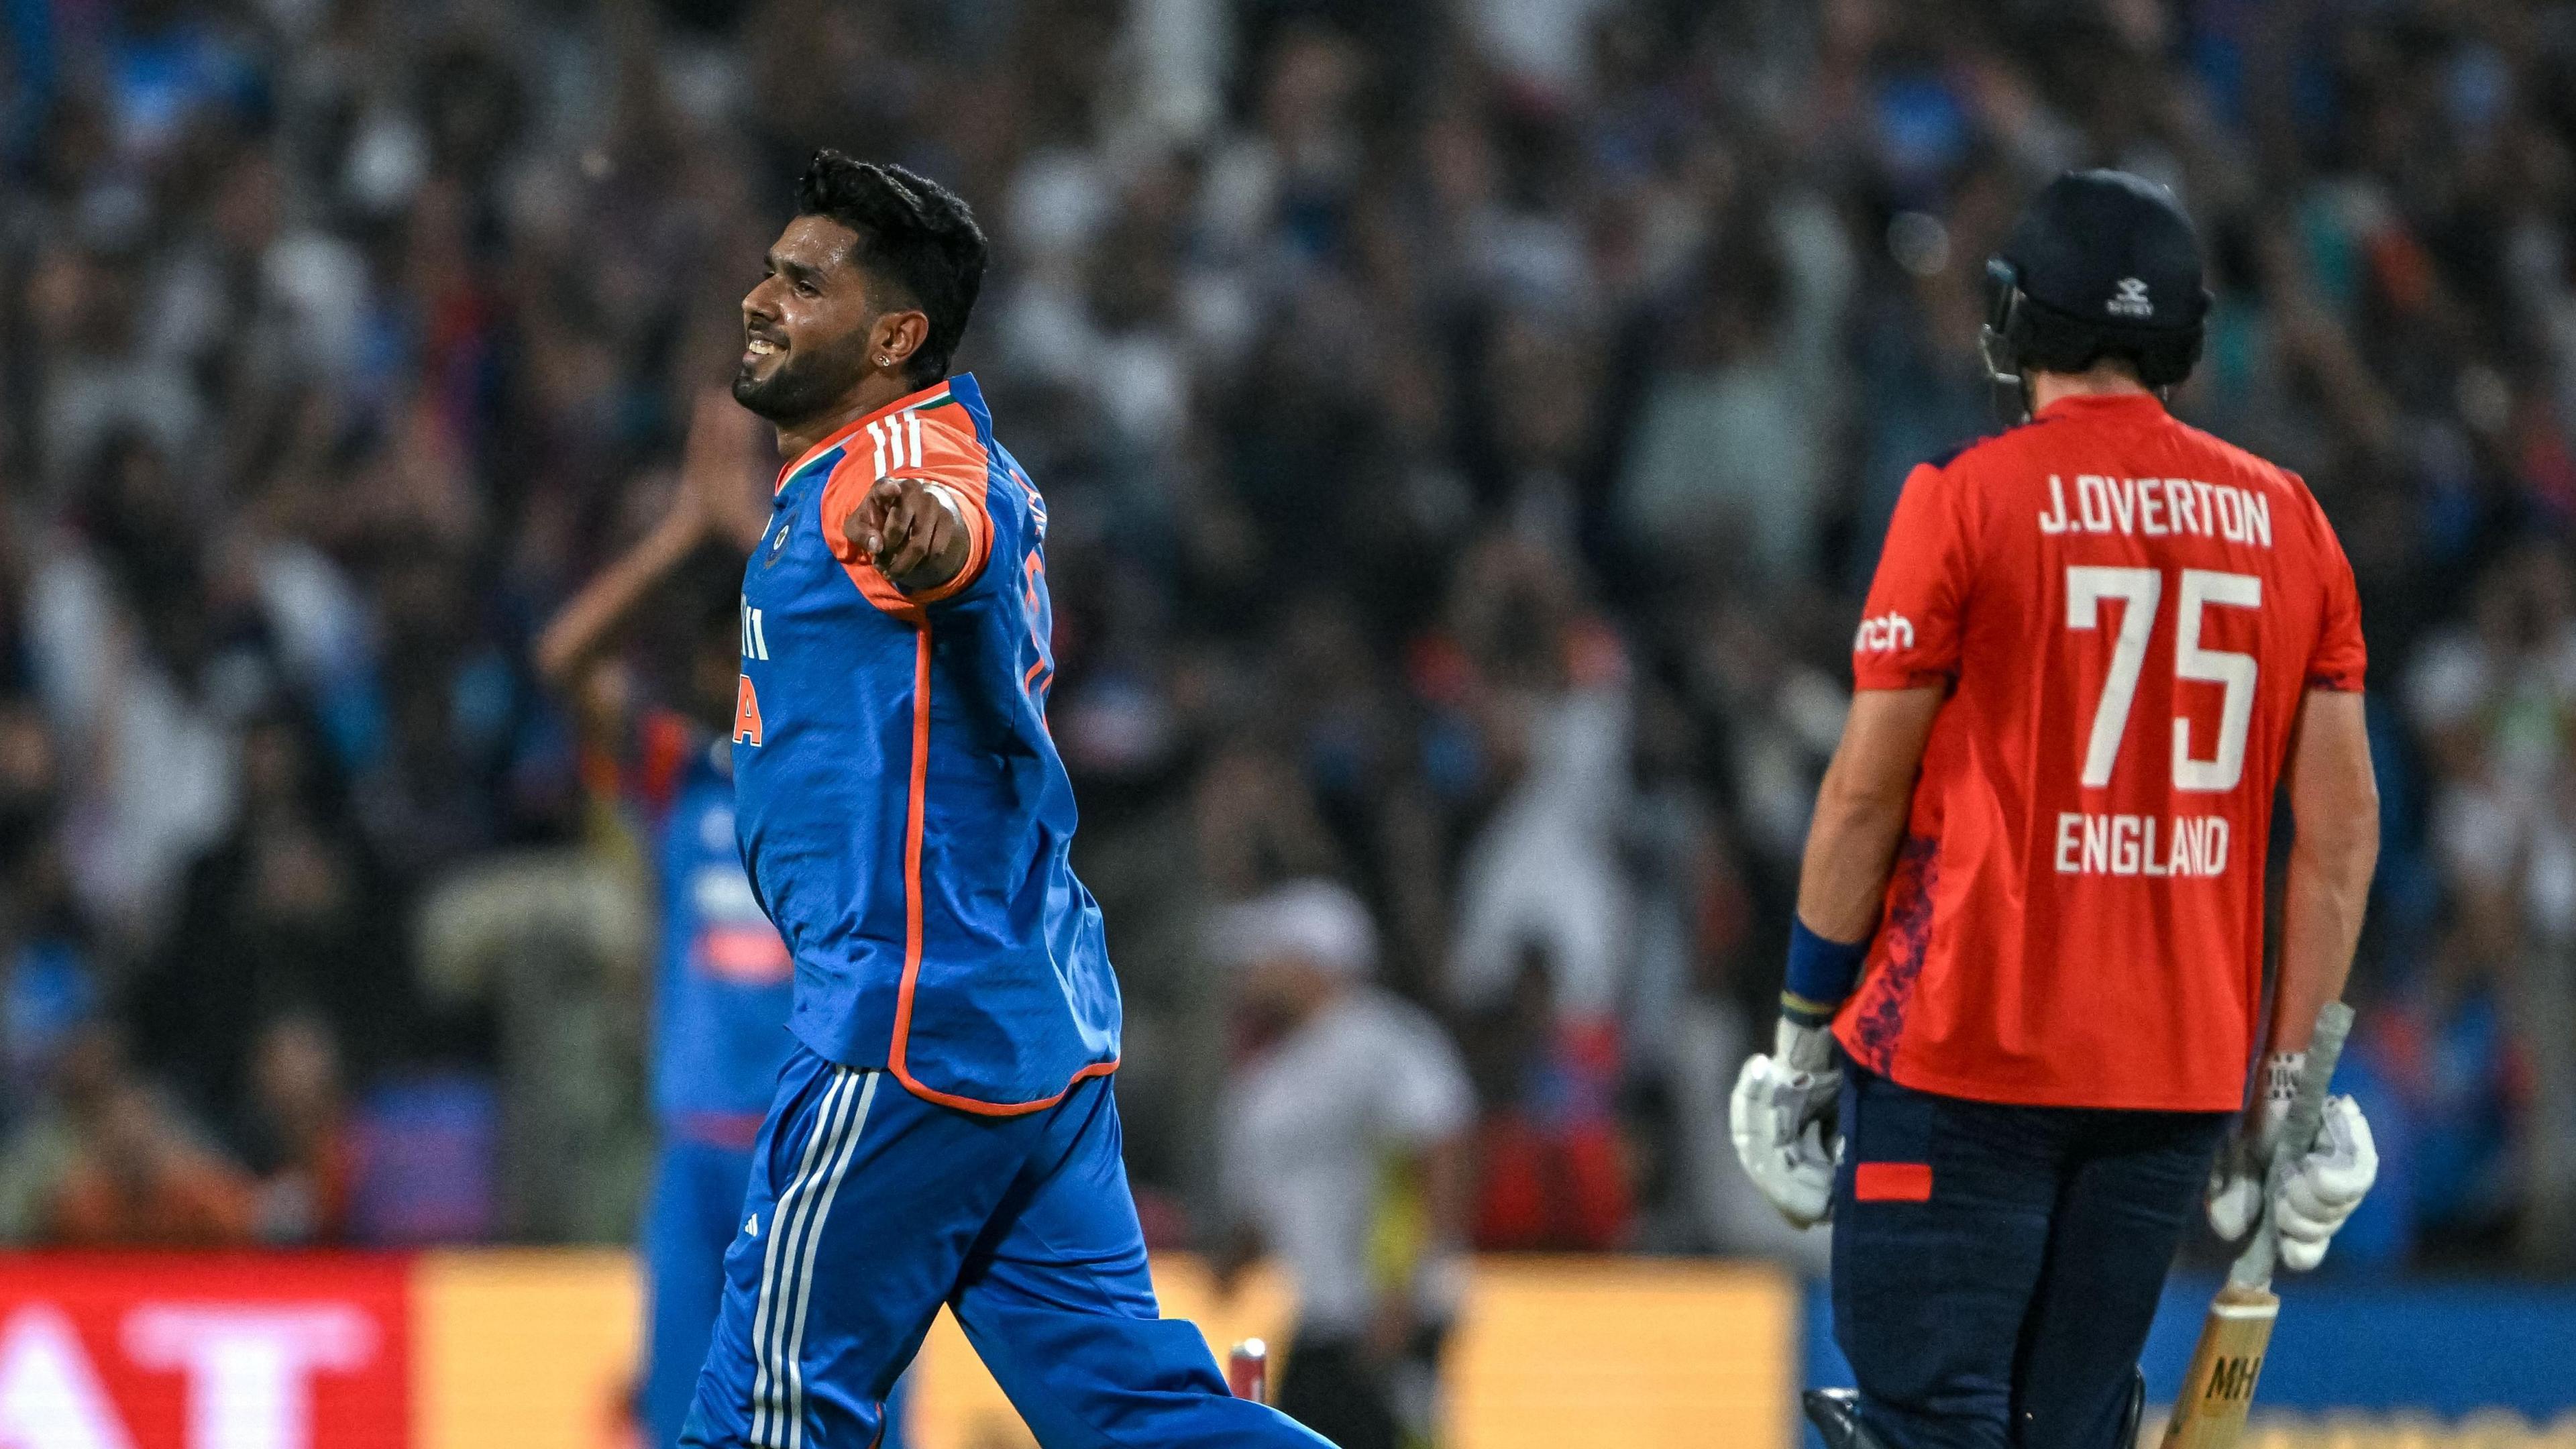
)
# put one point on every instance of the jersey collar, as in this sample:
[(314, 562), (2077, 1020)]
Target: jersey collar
[(2103, 404), (931, 396)]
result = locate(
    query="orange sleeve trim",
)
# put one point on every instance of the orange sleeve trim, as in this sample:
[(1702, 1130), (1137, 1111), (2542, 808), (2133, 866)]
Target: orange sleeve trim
[(841, 493), (952, 456), (979, 540), (937, 453), (849, 431), (914, 811)]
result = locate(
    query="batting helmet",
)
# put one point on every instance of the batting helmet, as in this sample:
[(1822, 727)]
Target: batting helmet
[(2102, 264)]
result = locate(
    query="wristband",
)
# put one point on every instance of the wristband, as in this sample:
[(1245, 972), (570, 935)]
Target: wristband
[(1821, 974)]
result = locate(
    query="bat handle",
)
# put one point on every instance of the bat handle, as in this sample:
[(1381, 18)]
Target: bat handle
[(1247, 1370), (2253, 1267)]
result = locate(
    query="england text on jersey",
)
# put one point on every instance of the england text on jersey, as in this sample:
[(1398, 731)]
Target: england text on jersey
[(2185, 847), (2076, 916)]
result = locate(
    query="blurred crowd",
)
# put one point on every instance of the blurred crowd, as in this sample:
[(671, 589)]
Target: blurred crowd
[(1468, 428)]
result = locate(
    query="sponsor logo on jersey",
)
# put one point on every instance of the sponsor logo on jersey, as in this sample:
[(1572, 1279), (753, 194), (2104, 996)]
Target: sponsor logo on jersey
[(1884, 635)]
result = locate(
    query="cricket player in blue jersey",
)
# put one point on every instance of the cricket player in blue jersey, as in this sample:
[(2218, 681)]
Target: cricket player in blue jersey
[(721, 995), (944, 1130)]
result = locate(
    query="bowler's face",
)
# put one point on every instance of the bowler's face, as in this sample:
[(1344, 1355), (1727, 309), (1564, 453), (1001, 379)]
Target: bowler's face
[(805, 326)]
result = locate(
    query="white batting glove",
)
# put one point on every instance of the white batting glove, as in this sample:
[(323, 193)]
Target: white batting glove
[(2312, 1196), (2244, 1164), (1778, 1116)]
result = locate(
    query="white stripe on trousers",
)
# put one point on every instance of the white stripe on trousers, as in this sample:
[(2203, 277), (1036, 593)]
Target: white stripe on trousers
[(778, 1389), (786, 1213), (804, 1299)]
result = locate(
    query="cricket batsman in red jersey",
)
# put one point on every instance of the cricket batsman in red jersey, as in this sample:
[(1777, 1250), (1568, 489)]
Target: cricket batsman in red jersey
[(2026, 973)]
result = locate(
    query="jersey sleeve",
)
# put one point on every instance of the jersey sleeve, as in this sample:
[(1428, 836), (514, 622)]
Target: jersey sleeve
[(1909, 631), (935, 452), (2340, 658)]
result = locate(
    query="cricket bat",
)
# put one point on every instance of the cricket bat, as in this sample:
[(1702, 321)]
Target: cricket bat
[(2219, 1387)]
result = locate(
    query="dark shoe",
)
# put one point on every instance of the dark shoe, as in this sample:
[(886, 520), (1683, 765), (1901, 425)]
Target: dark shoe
[(1836, 1415)]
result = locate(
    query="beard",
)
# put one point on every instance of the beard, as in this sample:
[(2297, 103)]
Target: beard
[(804, 384)]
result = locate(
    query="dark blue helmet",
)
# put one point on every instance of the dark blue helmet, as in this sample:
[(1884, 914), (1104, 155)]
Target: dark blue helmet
[(2102, 264)]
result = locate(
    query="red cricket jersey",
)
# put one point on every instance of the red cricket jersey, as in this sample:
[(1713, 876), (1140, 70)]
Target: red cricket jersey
[(2127, 612)]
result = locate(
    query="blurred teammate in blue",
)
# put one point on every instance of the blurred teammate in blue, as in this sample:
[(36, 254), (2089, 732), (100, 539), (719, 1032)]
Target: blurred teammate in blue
[(721, 995), (944, 1130)]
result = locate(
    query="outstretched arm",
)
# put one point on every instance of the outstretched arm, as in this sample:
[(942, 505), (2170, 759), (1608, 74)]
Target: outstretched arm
[(915, 531), (717, 501), (597, 615)]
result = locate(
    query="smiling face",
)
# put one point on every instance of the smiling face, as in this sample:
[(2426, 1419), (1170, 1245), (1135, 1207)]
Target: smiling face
[(807, 326)]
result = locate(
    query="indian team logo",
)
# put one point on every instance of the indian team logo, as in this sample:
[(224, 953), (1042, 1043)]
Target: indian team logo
[(2130, 300), (778, 541)]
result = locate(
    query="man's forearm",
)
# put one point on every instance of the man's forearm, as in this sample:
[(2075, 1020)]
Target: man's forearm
[(1849, 850), (1861, 810), (601, 610), (2322, 905), (2334, 813)]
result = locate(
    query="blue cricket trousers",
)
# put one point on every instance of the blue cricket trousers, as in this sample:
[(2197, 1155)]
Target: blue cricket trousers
[(870, 1207), (695, 1211), (1995, 1268)]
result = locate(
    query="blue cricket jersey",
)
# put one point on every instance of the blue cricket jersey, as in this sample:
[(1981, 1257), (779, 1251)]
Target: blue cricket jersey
[(726, 985), (904, 814)]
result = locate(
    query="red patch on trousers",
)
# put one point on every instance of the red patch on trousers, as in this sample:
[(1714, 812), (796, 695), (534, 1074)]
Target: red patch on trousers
[(1892, 1182)]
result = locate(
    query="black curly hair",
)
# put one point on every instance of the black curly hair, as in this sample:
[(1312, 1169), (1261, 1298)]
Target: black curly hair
[(913, 233)]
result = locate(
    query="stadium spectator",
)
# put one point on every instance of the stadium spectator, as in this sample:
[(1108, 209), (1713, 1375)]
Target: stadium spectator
[(1466, 429), (46, 1139), (281, 917)]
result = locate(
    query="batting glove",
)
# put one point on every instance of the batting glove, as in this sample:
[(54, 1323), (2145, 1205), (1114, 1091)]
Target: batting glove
[(2312, 1196), (2236, 1178), (2245, 1164), (1781, 1117)]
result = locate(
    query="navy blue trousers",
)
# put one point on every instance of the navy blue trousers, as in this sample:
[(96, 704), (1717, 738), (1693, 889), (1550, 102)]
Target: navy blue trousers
[(869, 1208), (1995, 1267)]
